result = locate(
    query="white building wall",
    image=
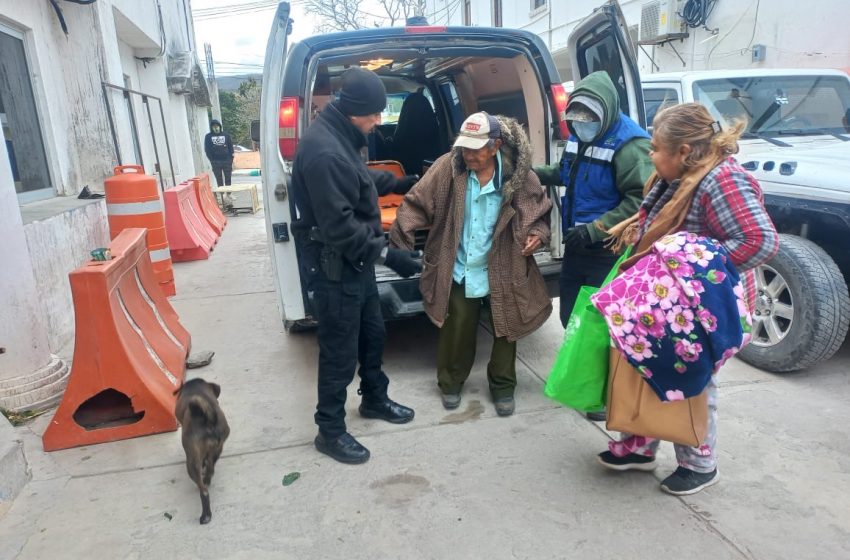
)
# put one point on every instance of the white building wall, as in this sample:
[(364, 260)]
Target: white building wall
[(796, 34), (48, 239)]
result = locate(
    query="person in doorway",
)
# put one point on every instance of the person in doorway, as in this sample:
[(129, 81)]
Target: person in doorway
[(604, 167), (339, 234), (487, 214), (219, 149), (701, 189)]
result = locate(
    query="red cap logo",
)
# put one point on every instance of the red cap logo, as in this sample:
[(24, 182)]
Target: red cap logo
[(472, 127)]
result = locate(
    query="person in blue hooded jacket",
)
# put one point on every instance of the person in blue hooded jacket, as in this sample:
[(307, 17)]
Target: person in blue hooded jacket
[(604, 167)]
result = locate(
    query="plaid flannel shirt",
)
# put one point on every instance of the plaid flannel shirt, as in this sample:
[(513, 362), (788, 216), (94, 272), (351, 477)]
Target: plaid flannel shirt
[(728, 206)]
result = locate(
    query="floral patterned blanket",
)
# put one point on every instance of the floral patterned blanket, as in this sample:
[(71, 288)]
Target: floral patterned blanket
[(678, 314)]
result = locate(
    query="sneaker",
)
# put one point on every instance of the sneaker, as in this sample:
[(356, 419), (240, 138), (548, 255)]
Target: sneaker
[(684, 482), (505, 406), (598, 416), (631, 462), (450, 400)]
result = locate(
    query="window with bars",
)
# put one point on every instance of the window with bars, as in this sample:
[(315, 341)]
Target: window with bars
[(497, 13), (20, 121)]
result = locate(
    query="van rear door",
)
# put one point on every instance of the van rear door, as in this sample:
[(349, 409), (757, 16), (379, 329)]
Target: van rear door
[(274, 177), (601, 42)]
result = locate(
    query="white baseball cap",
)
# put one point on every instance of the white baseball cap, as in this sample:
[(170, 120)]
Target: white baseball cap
[(477, 130)]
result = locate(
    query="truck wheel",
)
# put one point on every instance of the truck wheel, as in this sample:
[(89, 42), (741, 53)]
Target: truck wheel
[(802, 309)]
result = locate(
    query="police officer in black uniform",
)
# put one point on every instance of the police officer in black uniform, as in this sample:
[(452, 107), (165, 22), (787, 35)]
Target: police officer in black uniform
[(340, 237)]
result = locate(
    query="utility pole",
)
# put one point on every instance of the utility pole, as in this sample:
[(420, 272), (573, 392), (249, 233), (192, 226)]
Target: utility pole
[(211, 82)]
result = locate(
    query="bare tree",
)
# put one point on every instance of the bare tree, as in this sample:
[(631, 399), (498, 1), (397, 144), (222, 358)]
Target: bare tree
[(400, 10), (345, 15)]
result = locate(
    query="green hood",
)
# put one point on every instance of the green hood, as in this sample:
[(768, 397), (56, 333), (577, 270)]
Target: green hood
[(600, 87)]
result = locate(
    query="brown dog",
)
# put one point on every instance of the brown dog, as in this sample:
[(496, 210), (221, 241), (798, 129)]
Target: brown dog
[(204, 431)]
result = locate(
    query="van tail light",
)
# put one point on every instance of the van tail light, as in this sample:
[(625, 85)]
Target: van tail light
[(425, 29), (560, 98), (288, 127)]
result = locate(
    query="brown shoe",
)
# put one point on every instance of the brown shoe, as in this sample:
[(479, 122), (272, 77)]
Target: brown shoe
[(450, 400), (505, 406)]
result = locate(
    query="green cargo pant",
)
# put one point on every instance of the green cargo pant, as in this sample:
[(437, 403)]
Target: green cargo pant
[(456, 349)]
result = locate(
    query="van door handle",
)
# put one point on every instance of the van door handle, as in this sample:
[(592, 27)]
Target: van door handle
[(280, 192)]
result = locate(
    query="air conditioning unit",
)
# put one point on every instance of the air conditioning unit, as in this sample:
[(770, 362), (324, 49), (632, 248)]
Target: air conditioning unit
[(659, 19)]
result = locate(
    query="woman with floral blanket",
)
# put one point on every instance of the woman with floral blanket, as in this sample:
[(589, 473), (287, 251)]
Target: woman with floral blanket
[(698, 188)]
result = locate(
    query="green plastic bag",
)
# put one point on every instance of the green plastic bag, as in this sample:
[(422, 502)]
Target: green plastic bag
[(580, 374)]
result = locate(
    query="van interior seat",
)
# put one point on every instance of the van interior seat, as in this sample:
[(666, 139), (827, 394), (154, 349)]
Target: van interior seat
[(417, 135)]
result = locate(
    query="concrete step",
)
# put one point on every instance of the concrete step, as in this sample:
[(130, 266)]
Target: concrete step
[(14, 473)]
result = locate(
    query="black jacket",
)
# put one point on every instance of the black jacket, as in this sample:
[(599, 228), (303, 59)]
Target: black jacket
[(334, 190), (218, 147)]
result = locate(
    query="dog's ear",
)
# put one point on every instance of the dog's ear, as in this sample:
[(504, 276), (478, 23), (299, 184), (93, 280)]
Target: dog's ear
[(216, 389)]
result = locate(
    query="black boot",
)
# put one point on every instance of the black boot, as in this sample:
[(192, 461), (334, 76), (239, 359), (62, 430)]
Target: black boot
[(344, 448), (386, 409)]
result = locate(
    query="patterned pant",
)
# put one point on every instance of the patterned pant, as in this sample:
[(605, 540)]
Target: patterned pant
[(700, 459)]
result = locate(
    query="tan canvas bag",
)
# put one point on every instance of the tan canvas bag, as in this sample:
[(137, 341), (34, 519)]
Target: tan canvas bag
[(633, 407)]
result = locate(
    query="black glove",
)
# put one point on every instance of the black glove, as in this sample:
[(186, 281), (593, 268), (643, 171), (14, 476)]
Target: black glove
[(403, 262), (577, 237), (404, 184)]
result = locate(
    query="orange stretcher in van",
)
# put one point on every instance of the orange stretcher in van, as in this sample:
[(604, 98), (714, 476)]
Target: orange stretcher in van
[(389, 203)]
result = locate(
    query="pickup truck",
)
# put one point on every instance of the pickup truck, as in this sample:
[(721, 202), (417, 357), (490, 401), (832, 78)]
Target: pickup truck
[(459, 71), (797, 144)]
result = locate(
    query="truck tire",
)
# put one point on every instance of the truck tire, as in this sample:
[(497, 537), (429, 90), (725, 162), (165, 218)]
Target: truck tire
[(802, 309)]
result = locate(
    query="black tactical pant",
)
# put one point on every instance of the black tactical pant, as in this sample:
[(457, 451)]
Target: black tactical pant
[(582, 269), (351, 330), (222, 168)]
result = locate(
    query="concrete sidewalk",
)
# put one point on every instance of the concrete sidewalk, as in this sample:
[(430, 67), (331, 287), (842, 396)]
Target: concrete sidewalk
[(446, 486)]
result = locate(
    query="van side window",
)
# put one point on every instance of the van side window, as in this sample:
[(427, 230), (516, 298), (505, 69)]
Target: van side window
[(453, 106), (601, 53), (655, 99)]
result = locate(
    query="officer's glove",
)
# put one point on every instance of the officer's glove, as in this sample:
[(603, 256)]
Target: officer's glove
[(402, 262), (577, 237), (404, 184)]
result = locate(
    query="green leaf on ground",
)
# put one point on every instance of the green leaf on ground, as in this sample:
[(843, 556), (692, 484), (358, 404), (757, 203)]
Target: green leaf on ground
[(291, 477), (20, 418)]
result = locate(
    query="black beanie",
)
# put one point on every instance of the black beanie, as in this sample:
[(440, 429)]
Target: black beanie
[(362, 93)]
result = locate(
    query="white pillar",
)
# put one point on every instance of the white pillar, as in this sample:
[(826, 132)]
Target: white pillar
[(30, 376)]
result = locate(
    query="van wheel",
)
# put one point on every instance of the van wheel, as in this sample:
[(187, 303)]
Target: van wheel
[(802, 309)]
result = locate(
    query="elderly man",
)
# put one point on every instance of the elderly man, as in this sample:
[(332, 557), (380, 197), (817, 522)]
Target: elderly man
[(486, 214)]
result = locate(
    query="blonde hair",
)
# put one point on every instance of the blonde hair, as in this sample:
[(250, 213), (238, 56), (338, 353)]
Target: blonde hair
[(692, 124)]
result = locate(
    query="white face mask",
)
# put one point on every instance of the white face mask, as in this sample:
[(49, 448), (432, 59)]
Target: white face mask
[(587, 131)]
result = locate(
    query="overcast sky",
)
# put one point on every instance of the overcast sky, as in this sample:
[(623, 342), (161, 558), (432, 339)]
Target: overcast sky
[(239, 40), (242, 38)]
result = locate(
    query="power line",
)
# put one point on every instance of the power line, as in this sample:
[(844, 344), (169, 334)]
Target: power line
[(234, 63), (238, 9), (234, 7)]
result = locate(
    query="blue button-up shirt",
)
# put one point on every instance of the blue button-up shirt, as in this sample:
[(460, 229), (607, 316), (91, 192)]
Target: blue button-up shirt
[(482, 211)]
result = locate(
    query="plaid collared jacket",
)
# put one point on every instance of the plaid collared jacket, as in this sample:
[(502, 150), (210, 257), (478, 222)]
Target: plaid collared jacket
[(728, 206)]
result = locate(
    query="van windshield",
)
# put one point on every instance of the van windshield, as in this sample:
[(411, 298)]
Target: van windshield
[(777, 105)]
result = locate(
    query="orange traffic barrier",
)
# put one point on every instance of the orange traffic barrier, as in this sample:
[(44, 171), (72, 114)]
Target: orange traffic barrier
[(129, 353), (207, 203), (388, 203), (132, 201), (189, 235)]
